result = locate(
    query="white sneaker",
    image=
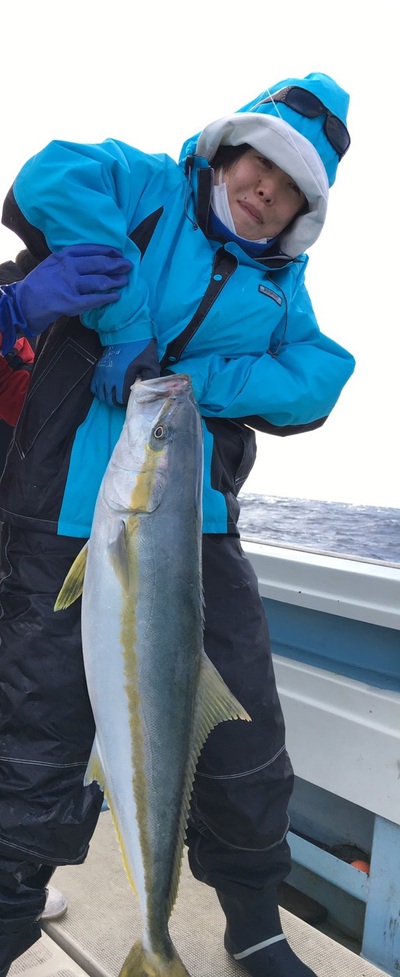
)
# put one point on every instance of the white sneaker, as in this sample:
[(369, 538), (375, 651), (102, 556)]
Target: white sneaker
[(56, 904)]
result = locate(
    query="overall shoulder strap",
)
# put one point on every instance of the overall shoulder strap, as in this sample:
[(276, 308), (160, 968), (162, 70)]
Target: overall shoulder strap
[(224, 265)]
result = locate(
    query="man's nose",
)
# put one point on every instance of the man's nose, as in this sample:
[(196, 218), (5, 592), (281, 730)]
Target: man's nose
[(266, 192)]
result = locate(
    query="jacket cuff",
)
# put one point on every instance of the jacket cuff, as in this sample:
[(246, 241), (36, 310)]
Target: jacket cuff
[(134, 332), (12, 319)]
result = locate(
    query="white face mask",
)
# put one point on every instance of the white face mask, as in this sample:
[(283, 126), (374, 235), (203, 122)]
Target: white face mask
[(220, 206)]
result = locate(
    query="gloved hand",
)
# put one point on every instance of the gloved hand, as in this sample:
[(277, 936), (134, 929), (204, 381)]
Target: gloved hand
[(70, 282), (120, 366)]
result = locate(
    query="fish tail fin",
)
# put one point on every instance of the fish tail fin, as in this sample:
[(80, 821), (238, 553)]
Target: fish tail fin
[(144, 963), (73, 583)]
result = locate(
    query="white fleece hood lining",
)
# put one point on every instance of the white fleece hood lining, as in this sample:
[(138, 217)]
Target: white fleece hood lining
[(292, 152)]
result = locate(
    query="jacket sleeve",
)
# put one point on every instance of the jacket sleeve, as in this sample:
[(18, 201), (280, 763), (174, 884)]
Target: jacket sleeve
[(284, 431), (296, 384), (82, 194)]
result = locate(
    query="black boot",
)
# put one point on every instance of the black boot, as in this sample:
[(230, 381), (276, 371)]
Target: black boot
[(254, 934)]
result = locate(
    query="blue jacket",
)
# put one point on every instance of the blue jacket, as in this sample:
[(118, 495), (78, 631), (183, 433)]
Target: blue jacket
[(251, 342)]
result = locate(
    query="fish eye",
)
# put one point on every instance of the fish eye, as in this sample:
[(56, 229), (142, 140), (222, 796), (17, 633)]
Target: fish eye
[(158, 431)]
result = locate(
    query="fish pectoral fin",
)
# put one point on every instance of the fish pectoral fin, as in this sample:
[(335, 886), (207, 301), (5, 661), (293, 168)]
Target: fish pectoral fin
[(118, 554), (94, 769), (73, 583), (214, 704)]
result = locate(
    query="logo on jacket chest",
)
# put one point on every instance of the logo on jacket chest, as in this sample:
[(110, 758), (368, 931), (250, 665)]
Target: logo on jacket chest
[(270, 294)]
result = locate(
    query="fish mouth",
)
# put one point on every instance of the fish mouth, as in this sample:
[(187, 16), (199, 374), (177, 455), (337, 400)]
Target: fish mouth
[(159, 388)]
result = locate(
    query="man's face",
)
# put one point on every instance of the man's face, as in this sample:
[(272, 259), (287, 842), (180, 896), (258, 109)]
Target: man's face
[(263, 199)]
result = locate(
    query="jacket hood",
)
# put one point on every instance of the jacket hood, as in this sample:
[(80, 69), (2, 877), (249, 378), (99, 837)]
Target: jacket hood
[(296, 144)]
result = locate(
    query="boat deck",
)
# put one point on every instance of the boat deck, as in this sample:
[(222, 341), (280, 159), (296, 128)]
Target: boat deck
[(103, 921)]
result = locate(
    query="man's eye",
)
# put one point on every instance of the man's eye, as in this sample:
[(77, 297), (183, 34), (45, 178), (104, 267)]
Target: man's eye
[(266, 162)]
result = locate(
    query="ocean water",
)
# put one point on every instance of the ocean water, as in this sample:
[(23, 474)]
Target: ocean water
[(369, 532)]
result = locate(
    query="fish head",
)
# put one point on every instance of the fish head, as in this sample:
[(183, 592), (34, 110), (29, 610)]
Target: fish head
[(161, 440)]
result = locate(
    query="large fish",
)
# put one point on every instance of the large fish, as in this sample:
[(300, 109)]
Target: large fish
[(154, 693)]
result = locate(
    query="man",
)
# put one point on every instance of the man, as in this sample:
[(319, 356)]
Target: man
[(217, 291)]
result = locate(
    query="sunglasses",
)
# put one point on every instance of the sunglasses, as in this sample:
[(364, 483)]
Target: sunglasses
[(307, 104)]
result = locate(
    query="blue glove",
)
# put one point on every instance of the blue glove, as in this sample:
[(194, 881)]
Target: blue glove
[(120, 366), (70, 282)]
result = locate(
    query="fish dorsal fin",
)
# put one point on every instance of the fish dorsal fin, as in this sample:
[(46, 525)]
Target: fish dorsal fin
[(214, 704), (73, 583)]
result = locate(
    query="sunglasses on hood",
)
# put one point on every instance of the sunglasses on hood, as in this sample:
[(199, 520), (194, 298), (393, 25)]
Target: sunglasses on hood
[(309, 105)]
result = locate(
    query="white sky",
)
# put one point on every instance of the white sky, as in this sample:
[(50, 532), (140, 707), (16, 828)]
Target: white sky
[(153, 73)]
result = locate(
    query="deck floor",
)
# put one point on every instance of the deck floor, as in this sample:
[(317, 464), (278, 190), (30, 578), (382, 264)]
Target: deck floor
[(103, 921)]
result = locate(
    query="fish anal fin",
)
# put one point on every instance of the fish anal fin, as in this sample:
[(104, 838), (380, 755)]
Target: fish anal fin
[(95, 772), (94, 769), (73, 583), (125, 859), (215, 703)]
